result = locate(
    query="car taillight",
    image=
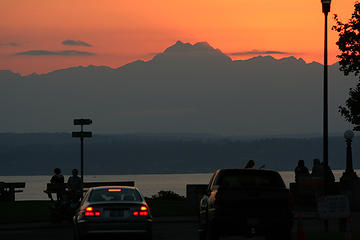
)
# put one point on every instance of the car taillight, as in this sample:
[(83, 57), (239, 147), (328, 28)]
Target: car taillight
[(142, 212), (89, 212), (89, 209)]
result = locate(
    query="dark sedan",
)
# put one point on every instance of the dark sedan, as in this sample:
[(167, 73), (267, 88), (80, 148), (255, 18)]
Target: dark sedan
[(113, 210)]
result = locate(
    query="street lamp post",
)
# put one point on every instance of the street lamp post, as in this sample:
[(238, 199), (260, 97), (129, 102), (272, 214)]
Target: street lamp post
[(349, 176), (326, 10)]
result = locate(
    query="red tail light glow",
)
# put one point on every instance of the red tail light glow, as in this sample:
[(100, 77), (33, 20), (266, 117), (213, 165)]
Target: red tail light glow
[(89, 209), (114, 190), (89, 214), (142, 212)]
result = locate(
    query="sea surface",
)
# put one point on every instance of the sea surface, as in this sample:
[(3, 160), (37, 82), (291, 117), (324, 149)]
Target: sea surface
[(148, 184)]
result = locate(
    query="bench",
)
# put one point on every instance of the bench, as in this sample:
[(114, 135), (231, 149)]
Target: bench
[(8, 190)]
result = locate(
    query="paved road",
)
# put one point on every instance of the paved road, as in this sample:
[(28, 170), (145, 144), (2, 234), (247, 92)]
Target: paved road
[(161, 231), (37, 234), (184, 230)]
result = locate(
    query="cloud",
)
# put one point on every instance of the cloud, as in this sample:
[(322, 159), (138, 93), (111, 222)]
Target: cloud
[(255, 52), (76, 43), (54, 53), (9, 44)]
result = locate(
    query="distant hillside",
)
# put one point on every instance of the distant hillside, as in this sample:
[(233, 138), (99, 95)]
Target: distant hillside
[(38, 154), (188, 88)]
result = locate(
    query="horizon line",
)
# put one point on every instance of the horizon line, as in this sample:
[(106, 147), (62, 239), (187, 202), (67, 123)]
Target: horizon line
[(115, 68)]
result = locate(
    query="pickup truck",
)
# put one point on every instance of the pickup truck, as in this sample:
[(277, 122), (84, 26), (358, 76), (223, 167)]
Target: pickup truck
[(246, 202)]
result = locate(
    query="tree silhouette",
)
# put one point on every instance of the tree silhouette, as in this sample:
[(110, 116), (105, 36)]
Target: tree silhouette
[(349, 46)]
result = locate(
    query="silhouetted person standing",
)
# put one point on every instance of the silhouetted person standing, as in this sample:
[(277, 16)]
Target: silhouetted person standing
[(301, 170), (74, 184), (250, 164), (57, 179), (317, 170)]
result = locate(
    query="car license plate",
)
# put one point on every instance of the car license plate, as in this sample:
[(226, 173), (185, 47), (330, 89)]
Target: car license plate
[(252, 221), (116, 213)]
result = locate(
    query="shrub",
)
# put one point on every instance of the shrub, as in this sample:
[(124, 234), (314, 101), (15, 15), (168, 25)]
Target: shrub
[(167, 195)]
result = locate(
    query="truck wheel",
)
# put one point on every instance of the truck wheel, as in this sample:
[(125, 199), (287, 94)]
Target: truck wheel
[(211, 232)]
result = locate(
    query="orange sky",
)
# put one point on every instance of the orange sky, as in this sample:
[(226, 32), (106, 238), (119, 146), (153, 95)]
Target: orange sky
[(121, 31)]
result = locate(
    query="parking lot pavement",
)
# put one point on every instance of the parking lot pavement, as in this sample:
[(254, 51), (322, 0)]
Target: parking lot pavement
[(161, 231), (37, 234), (164, 229)]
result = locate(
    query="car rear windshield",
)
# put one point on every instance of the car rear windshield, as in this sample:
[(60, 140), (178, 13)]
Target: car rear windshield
[(104, 195), (245, 179)]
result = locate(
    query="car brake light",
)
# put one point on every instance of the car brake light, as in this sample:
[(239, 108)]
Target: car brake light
[(142, 212), (89, 209), (114, 190), (89, 212)]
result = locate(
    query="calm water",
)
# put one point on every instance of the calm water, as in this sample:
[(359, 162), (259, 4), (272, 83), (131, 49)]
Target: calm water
[(148, 184)]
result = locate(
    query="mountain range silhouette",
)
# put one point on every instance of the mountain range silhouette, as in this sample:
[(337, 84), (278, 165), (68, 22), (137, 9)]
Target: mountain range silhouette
[(188, 88)]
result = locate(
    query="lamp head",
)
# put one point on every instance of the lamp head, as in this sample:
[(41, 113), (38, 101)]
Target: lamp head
[(326, 5), (349, 135)]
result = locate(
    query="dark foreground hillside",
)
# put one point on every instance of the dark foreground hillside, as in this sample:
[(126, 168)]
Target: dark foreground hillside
[(38, 154)]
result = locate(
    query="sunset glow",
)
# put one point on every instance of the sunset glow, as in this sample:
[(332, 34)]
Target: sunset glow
[(121, 31)]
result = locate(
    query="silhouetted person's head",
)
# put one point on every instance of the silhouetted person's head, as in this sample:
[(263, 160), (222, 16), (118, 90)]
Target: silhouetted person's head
[(250, 164), (57, 171), (316, 162), (75, 172), (301, 163)]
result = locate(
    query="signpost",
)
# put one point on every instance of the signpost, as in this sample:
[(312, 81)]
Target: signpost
[(82, 134)]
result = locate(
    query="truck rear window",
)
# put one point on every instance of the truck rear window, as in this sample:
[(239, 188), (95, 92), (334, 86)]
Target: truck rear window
[(244, 179)]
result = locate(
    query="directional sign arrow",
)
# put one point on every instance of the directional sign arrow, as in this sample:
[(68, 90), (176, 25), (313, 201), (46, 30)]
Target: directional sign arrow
[(82, 134), (82, 121)]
